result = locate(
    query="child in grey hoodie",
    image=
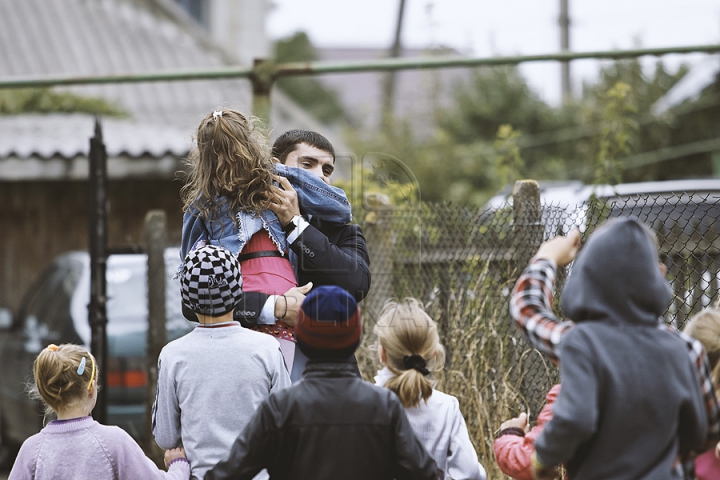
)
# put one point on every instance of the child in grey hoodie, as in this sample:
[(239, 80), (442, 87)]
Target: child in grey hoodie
[(211, 381), (631, 402)]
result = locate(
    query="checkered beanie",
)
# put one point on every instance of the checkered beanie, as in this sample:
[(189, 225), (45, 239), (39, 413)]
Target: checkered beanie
[(210, 282), (328, 324)]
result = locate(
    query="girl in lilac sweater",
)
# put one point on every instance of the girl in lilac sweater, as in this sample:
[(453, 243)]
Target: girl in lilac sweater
[(76, 446)]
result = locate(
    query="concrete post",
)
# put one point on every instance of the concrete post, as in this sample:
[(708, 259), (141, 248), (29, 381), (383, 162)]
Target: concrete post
[(155, 240)]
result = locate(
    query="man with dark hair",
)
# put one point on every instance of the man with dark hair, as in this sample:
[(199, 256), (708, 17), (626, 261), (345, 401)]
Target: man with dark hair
[(322, 253), (309, 147)]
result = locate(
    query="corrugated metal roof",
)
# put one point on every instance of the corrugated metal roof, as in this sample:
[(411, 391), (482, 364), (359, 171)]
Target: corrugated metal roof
[(81, 37), (68, 135), (701, 75), (100, 37)]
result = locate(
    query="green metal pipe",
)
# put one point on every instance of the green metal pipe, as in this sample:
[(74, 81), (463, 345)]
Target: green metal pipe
[(314, 68), (271, 72), (165, 76)]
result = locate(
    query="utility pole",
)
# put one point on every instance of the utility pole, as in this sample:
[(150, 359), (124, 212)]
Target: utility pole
[(564, 22), (389, 90)]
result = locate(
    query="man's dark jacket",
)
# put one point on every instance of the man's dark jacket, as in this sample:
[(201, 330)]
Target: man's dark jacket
[(330, 425), (327, 254)]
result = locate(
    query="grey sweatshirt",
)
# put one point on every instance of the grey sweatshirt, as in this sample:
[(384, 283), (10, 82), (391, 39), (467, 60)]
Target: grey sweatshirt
[(210, 383), (630, 399)]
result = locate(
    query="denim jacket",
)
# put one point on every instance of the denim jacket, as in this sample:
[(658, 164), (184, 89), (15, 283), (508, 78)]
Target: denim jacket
[(315, 197)]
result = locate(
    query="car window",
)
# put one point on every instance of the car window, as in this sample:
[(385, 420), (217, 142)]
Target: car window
[(45, 313), (127, 294), (58, 317)]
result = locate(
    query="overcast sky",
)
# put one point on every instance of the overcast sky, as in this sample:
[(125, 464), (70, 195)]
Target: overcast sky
[(506, 27)]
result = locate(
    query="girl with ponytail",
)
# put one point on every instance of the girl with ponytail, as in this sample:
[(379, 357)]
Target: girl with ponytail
[(76, 446), (409, 349)]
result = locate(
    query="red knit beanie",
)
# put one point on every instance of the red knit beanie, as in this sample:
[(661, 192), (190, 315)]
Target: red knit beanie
[(328, 324)]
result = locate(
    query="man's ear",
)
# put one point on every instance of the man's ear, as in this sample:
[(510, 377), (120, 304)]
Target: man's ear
[(275, 160), (663, 269)]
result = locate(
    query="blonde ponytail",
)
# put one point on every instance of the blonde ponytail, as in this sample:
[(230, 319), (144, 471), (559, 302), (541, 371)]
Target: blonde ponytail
[(410, 340), (61, 377)]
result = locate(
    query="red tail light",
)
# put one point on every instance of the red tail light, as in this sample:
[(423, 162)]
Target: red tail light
[(127, 378)]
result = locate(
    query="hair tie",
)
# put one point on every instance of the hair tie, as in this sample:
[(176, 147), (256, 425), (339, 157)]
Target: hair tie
[(52, 347), (416, 362), (217, 113)]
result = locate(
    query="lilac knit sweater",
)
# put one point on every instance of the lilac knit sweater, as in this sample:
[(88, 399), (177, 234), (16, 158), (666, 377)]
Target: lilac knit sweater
[(82, 449)]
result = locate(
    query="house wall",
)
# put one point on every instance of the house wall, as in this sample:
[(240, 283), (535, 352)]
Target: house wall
[(39, 220)]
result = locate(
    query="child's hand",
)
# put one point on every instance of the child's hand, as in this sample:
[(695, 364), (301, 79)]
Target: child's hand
[(521, 422), (172, 454), (561, 250), (542, 472)]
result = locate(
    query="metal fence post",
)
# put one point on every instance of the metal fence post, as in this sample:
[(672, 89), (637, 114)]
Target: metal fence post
[(155, 240), (527, 219), (262, 79), (97, 314)]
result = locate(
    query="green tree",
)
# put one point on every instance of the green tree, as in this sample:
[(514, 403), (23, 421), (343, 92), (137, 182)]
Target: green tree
[(618, 128), (308, 92)]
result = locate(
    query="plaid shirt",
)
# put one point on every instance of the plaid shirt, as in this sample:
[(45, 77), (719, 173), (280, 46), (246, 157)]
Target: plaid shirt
[(531, 308)]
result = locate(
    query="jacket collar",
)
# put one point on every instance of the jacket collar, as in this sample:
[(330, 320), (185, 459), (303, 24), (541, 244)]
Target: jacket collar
[(320, 368)]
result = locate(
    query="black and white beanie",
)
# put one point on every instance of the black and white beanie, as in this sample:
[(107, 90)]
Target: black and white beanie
[(210, 282)]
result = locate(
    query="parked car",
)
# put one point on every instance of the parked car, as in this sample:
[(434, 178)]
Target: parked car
[(54, 310), (660, 204)]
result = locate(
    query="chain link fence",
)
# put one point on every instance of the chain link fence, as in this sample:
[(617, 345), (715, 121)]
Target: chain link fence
[(462, 263)]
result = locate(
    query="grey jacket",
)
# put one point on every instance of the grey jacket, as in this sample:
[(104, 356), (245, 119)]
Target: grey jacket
[(630, 399)]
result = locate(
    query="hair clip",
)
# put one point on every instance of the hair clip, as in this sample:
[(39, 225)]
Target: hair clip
[(217, 113), (52, 347), (81, 368)]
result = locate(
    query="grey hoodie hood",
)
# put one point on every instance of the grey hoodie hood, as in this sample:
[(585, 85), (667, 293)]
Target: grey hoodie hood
[(616, 277)]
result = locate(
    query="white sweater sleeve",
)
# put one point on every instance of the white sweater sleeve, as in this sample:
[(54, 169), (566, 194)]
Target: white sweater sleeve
[(280, 376), (462, 461), (166, 410)]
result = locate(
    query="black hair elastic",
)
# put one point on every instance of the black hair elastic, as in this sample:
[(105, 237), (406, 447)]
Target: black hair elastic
[(416, 362)]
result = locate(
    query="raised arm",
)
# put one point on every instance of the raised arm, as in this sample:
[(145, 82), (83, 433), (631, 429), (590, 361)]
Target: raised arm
[(531, 308), (531, 300)]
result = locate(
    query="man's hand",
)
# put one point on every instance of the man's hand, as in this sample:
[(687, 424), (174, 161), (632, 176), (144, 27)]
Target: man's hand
[(172, 454), (288, 304), (521, 422), (561, 250), (285, 204)]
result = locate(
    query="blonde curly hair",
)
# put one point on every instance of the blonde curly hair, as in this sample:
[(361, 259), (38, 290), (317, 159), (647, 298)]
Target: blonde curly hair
[(231, 166)]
